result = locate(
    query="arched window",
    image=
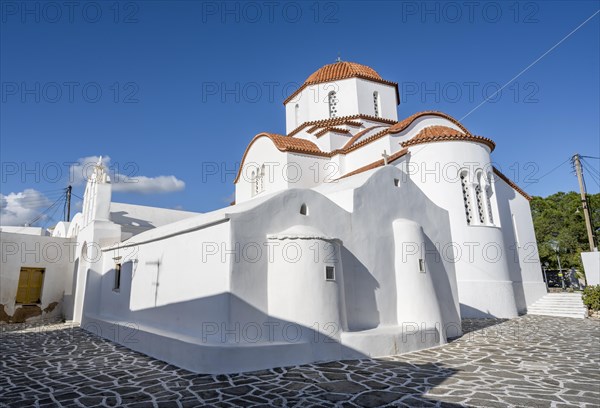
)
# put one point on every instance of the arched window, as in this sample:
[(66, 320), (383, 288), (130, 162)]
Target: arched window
[(464, 182), (376, 106), (333, 102), (297, 115), (479, 199), (303, 209)]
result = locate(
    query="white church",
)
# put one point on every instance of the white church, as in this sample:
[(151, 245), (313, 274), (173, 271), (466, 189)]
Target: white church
[(353, 235)]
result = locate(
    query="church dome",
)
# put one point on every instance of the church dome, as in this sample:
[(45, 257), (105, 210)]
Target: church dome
[(342, 70)]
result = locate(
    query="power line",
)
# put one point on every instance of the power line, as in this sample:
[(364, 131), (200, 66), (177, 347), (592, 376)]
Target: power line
[(590, 167), (541, 177), (51, 217), (45, 211)]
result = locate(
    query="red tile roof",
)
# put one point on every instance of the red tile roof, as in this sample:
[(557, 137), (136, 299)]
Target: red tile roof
[(285, 144), (342, 70), (438, 133), (302, 146), (333, 130), (359, 134), (342, 120), (398, 127), (403, 124), (353, 123), (376, 164)]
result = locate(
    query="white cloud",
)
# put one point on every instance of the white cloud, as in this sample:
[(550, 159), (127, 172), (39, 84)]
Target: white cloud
[(125, 178), (23, 207), (148, 185)]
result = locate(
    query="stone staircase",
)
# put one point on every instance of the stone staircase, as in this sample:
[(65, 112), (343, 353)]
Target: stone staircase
[(559, 304)]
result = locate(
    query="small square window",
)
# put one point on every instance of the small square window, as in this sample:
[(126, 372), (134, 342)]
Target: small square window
[(422, 265), (329, 273), (117, 284)]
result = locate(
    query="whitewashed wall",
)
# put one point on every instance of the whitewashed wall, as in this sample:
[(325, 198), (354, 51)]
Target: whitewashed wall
[(521, 245), (53, 254), (484, 281), (355, 96), (210, 323)]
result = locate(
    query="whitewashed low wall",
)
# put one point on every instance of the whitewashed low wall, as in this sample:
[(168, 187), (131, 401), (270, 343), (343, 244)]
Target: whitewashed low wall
[(591, 267)]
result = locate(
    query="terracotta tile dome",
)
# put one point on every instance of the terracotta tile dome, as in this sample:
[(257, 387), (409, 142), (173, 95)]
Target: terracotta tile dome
[(341, 70)]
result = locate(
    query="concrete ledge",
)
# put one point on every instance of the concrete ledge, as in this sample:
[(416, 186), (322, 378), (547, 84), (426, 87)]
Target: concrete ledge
[(192, 354), (390, 340)]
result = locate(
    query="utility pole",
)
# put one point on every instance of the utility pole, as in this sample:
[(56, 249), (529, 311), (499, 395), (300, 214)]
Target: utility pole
[(69, 203), (584, 203)]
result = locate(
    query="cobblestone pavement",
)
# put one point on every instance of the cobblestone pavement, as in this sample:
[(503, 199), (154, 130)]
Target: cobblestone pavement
[(531, 361)]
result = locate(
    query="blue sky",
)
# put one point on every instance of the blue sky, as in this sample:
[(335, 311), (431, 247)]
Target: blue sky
[(174, 88)]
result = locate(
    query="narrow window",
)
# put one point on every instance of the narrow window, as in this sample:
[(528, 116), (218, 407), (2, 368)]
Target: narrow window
[(488, 195), (30, 285), (464, 181), (422, 265), (254, 183), (117, 284), (396, 182), (329, 273), (479, 199), (297, 115), (261, 179), (376, 106), (333, 102), (303, 209)]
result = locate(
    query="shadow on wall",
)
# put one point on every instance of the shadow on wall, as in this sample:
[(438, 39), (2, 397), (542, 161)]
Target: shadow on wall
[(69, 298), (130, 224), (509, 234), (441, 271), (466, 310), (359, 287), (199, 336)]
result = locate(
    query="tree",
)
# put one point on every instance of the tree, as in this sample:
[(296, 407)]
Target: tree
[(560, 218)]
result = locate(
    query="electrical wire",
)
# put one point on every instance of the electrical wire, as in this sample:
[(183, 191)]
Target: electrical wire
[(541, 177)]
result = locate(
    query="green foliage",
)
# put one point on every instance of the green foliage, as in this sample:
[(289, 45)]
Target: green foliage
[(591, 297), (556, 218)]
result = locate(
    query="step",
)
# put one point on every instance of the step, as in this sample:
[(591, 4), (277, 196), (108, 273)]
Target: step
[(574, 316), (569, 307), (559, 305), (566, 311)]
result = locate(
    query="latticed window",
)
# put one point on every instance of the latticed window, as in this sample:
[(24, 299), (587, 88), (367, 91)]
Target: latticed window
[(488, 195), (376, 104), (254, 181), (464, 181), (479, 199), (333, 102), (261, 179)]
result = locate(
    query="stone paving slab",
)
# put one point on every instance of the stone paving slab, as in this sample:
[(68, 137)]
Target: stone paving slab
[(530, 361)]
